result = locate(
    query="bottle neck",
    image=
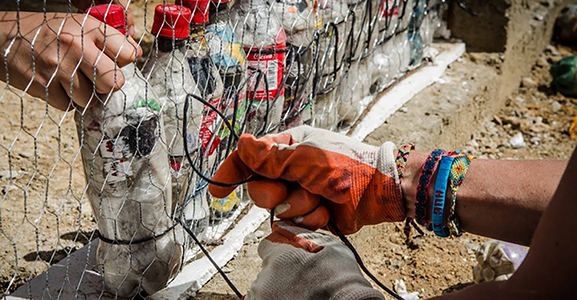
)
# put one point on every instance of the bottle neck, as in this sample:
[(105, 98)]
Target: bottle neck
[(166, 44)]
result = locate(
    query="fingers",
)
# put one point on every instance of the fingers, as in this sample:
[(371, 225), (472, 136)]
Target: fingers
[(81, 90), (121, 49), (267, 193), (232, 170), (314, 220), (298, 202), (101, 70), (267, 155), (130, 23), (287, 233), (58, 97)]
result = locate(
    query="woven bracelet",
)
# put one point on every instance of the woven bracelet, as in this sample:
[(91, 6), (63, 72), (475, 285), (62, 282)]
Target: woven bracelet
[(401, 162), (402, 157), (456, 177), (422, 196)]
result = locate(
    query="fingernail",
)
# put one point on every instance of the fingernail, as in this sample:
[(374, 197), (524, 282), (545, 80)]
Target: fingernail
[(131, 30), (281, 208), (298, 220)]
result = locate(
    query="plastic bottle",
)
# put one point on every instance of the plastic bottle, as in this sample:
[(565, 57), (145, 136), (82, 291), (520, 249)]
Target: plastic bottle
[(332, 51), (299, 20), (414, 34), (225, 49), (230, 59), (173, 83), (208, 79), (387, 58), (264, 42), (127, 172)]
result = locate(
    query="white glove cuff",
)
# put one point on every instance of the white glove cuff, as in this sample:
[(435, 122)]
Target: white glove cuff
[(386, 161)]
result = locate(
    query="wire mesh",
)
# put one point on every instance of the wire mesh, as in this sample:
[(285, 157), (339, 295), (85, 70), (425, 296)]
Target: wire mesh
[(122, 151)]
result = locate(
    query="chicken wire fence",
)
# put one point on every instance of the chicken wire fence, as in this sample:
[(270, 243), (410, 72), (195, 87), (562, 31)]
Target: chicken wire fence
[(132, 169)]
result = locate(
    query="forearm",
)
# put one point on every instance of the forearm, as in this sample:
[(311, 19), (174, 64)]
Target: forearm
[(502, 199)]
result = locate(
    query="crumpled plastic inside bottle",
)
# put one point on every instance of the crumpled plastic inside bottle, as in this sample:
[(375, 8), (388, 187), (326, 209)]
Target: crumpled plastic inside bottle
[(296, 15), (498, 260), (256, 26), (225, 49)]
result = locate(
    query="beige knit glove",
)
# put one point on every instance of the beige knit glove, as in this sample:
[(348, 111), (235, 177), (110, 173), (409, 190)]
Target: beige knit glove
[(302, 264)]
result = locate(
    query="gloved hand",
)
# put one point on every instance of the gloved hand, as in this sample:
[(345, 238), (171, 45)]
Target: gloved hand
[(313, 175), (301, 264)]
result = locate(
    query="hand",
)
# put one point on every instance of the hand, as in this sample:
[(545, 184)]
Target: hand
[(301, 264), (84, 5), (315, 176), (65, 58)]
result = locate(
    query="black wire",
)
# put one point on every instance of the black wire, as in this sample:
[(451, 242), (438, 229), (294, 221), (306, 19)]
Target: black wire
[(316, 70), (359, 260), (207, 254), (187, 151)]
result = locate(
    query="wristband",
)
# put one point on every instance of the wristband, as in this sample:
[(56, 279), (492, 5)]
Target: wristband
[(402, 157), (424, 181), (439, 196), (456, 177)]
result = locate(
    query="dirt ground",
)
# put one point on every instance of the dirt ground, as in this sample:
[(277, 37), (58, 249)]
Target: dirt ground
[(44, 216), (437, 266)]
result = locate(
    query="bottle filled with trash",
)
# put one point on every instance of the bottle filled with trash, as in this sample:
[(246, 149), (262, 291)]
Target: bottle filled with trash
[(333, 47), (390, 59), (230, 59), (212, 89), (125, 161), (414, 32), (299, 20), (264, 42), (173, 83)]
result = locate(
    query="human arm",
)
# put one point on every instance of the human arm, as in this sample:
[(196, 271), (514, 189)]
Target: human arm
[(501, 199), (63, 57), (307, 177), (548, 271)]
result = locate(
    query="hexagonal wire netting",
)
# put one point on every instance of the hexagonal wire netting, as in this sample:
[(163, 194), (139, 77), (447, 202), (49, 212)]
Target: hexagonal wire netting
[(121, 152)]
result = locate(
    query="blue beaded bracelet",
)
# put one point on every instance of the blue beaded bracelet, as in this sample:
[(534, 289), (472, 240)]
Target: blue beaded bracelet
[(439, 196)]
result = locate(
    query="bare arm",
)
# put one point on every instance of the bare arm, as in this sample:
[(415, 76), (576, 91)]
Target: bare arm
[(548, 272), (502, 199)]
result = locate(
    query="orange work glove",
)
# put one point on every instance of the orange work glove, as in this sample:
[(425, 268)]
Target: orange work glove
[(313, 176)]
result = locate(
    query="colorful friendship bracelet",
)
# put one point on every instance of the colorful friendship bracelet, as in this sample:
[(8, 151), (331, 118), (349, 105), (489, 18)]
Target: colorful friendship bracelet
[(401, 162), (459, 169), (437, 216), (402, 157), (422, 196)]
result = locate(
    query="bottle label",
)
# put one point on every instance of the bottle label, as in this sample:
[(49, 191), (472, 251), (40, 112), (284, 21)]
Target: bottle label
[(269, 60), (117, 171), (393, 8), (209, 128)]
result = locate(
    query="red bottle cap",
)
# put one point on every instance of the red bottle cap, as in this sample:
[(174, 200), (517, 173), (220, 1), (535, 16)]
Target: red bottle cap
[(199, 10), (111, 14), (171, 21)]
